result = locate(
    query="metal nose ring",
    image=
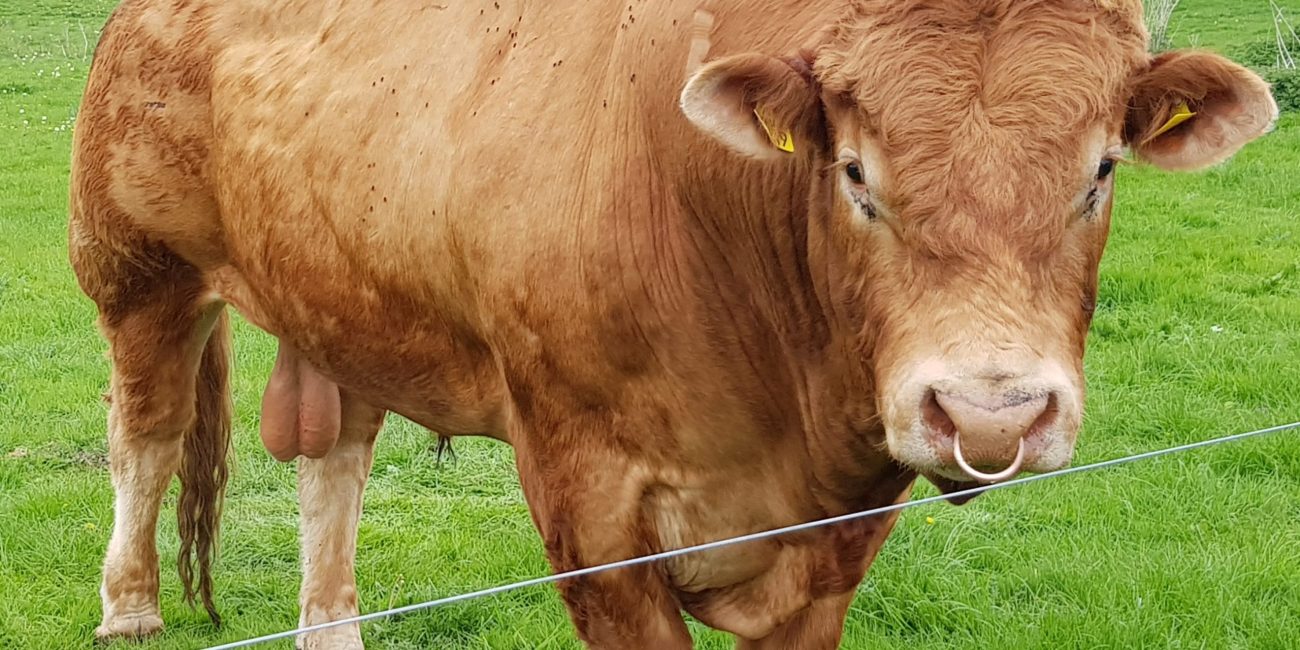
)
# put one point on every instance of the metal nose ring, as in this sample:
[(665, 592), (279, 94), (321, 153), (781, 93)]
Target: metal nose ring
[(1005, 474)]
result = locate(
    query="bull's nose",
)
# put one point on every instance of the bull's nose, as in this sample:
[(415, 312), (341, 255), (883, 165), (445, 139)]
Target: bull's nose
[(985, 431)]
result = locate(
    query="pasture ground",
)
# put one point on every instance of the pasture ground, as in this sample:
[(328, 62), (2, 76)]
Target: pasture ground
[(1197, 335)]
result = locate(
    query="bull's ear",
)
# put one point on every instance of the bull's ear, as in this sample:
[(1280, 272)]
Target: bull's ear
[(757, 105), (1191, 110)]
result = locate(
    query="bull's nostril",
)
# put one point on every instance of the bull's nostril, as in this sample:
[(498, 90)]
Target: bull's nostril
[(935, 417), (1045, 420)]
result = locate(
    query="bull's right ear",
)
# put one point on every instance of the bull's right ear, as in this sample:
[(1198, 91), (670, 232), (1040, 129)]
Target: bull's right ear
[(757, 105)]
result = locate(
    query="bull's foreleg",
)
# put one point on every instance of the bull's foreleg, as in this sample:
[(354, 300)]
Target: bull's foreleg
[(587, 508), (820, 625), (817, 627), (627, 608), (330, 492)]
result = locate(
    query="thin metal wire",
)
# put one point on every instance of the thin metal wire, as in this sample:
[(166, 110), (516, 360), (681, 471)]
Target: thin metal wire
[(752, 537)]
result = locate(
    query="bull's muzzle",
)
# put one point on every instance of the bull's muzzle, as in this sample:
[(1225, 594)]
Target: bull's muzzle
[(986, 432)]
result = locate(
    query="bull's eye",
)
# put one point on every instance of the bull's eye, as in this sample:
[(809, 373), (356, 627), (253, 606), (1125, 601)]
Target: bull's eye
[(1106, 168), (854, 172)]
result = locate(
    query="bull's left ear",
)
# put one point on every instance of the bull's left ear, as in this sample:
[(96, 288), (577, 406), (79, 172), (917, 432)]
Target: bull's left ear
[(757, 105), (1191, 110)]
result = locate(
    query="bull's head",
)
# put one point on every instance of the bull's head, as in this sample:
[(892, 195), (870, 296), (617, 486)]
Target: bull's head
[(964, 159)]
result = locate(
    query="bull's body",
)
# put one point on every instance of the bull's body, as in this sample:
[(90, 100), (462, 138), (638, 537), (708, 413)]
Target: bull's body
[(494, 219)]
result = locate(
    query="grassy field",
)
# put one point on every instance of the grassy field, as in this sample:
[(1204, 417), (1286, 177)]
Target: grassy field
[(1197, 335)]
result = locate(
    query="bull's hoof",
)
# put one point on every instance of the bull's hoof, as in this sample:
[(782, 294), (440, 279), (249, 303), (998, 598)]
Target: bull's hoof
[(132, 626), (344, 637)]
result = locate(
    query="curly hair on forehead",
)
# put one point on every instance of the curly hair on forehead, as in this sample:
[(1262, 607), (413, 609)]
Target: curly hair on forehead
[(973, 44), (1130, 10), (959, 84)]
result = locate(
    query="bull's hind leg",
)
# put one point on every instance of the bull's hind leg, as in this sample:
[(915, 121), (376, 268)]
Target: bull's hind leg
[(330, 492), (169, 413)]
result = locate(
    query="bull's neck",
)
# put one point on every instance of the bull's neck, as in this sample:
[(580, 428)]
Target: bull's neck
[(746, 222), (750, 257), (757, 254)]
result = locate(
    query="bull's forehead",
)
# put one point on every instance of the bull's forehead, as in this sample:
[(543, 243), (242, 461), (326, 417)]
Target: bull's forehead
[(922, 71), (1000, 103)]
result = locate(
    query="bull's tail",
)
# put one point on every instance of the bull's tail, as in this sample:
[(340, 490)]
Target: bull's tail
[(204, 469)]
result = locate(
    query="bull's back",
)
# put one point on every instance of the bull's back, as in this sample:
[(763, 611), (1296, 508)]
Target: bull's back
[(408, 192), (411, 176), (441, 151), (386, 185)]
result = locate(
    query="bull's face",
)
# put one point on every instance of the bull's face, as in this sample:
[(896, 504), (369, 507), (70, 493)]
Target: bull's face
[(962, 177)]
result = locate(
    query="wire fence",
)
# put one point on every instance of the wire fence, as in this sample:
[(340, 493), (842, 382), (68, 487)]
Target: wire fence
[(752, 537)]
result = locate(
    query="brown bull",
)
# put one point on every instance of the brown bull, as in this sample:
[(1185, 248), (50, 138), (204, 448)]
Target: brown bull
[(709, 267)]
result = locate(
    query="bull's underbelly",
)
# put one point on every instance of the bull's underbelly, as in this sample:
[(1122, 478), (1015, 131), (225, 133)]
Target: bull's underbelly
[(413, 367)]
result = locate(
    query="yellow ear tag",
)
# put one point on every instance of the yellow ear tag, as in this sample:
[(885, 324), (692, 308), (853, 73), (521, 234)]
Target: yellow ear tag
[(780, 139), (1181, 114)]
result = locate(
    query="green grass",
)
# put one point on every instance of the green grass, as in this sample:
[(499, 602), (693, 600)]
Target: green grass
[(1197, 335), (1224, 24)]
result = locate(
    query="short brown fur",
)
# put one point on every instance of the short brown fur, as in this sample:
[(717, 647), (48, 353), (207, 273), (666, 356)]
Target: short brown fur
[(558, 225)]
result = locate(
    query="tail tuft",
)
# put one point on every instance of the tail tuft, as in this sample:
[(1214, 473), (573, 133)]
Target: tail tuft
[(204, 470)]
